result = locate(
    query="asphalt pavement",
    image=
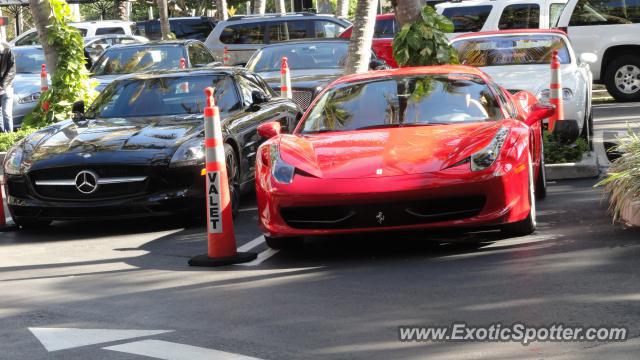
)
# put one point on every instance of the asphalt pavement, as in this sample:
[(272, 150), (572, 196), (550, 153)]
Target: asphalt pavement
[(123, 290)]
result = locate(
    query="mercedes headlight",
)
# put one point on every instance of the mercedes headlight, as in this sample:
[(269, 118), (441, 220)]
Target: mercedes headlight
[(544, 95), (190, 153), (487, 156), (13, 161), (280, 170), (34, 97)]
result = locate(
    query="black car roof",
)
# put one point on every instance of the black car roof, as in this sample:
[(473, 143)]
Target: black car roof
[(225, 70), (158, 42)]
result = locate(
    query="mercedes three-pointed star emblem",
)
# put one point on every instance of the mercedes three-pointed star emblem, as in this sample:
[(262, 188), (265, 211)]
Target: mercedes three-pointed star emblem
[(86, 181)]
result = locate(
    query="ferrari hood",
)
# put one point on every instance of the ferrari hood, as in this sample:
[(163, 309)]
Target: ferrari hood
[(385, 152), (145, 139)]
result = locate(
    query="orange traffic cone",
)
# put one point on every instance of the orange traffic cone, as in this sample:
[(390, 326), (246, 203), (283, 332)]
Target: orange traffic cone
[(183, 63), (220, 235), (44, 82), (285, 79)]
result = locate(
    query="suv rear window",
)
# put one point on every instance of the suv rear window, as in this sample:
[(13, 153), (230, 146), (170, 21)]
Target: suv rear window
[(191, 28), (109, 30), (252, 33), (605, 12), (384, 29), (468, 18), (287, 30), (520, 16)]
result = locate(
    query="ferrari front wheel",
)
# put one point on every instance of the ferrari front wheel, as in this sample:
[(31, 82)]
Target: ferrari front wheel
[(284, 243), (528, 225)]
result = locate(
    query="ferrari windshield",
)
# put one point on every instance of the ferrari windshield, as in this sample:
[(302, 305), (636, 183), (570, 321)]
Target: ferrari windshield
[(403, 101), (311, 55), (163, 96), (126, 60), (511, 50)]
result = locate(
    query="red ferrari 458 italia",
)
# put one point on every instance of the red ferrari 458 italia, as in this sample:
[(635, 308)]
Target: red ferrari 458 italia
[(410, 148)]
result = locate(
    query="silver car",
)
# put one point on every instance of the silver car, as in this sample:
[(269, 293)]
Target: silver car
[(243, 35), (26, 84)]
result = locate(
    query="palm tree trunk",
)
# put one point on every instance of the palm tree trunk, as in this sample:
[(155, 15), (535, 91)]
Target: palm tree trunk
[(40, 12), (259, 6), (221, 10), (163, 15), (407, 11), (121, 10), (361, 37), (342, 8), (280, 7), (325, 7)]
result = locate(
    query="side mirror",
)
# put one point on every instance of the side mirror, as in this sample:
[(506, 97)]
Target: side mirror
[(588, 58), (78, 110), (566, 131), (539, 112), (258, 97), (269, 129), (378, 64)]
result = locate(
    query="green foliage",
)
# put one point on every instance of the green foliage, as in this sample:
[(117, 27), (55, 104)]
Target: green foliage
[(8, 139), (70, 82), (424, 42), (623, 180), (555, 153)]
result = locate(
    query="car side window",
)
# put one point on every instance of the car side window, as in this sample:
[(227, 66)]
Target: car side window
[(287, 30), (252, 33), (193, 28), (605, 12), (520, 16), (199, 55), (109, 30), (555, 10), (468, 18), (511, 110), (248, 85), (384, 29), (327, 29), (31, 39)]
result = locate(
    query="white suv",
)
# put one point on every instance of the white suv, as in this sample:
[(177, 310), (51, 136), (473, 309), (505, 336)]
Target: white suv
[(87, 29), (610, 29), (488, 15)]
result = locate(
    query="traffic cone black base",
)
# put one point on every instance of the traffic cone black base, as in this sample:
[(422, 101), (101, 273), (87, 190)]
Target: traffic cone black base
[(205, 260)]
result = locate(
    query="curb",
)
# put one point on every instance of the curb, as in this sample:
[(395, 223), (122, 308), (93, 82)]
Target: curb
[(587, 168)]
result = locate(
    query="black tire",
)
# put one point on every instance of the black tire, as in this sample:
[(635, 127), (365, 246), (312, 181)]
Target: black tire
[(31, 224), (541, 185), (233, 174), (528, 225), (625, 69), (284, 243)]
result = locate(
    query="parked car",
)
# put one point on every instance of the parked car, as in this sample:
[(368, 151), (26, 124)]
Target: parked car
[(487, 15), (197, 28), (608, 29), (313, 65), (156, 55), (87, 29), (94, 46), (138, 150), (520, 60), (243, 35), (385, 29), (409, 148), (27, 82)]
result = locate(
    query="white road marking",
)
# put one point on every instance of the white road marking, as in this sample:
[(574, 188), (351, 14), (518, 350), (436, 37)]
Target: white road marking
[(620, 118), (251, 244), (167, 350), (261, 257), (67, 338)]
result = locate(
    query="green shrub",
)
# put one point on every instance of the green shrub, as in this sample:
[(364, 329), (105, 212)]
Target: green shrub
[(8, 139), (555, 153), (622, 182), (424, 42)]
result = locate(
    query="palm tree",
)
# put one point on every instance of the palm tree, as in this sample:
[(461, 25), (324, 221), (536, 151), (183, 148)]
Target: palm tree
[(41, 11), (361, 37), (259, 6), (342, 8), (221, 10), (407, 11), (163, 15), (121, 10), (280, 7)]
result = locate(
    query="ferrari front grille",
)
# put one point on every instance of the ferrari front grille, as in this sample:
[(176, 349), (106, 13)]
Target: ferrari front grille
[(383, 215)]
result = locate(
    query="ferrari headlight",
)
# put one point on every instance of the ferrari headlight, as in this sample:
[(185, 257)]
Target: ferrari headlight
[(544, 95), (487, 156), (280, 170), (190, 153), (13, 161), (29, 98)]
